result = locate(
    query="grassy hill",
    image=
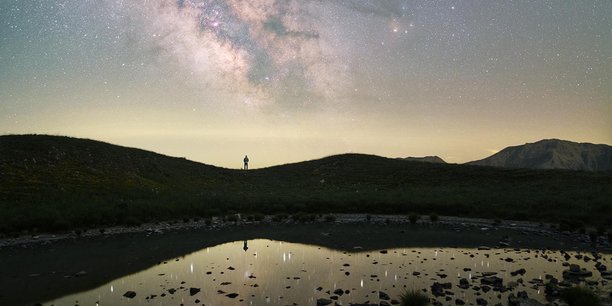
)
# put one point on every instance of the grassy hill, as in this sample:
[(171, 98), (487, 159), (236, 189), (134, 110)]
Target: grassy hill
[(55, 183)]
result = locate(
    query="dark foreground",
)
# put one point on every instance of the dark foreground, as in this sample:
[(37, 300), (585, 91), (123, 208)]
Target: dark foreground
[(51, 183), (42, 271)]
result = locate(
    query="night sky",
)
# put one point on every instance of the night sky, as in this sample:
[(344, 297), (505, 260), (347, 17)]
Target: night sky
[(285, 81)]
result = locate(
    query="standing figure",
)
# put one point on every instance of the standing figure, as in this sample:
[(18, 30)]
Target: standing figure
[(246, 162)]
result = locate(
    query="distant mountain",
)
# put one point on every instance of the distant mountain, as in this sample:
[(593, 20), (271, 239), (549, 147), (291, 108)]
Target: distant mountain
[(426, 159), (552, 154)]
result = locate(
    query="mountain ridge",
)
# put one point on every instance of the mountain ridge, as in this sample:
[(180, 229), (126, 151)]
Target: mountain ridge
[(552, 154), (427, 159)]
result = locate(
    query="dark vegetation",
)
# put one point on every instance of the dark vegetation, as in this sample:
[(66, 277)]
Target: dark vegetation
[(580, 296), (50, 183), (414, 298)]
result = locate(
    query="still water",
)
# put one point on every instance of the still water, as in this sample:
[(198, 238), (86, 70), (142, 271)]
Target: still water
[(269, 272)]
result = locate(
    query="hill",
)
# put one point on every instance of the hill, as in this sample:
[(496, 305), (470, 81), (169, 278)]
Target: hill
[(426, 159), (552, 154), (55, 183)]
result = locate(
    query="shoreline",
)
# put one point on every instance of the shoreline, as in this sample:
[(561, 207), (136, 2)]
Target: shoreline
[(47, 267), (217, 223)]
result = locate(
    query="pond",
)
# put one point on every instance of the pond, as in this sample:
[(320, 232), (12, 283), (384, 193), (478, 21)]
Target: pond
[(273, 272)]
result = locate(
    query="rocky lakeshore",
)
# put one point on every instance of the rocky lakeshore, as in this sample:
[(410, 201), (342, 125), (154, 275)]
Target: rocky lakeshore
[(55, 265)]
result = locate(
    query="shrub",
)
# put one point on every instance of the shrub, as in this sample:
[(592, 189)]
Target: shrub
[(131, 221), (279, 217), (434, 217), (258, 217), (368, 217), (580, 296), (571, 225), (497, 221), (414, 298), (593, 236), (414, 218), (61, 224), (303, 217), (231, 218), (329, 218)]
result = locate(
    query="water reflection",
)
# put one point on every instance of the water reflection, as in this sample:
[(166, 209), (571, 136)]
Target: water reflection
[(262, 272)]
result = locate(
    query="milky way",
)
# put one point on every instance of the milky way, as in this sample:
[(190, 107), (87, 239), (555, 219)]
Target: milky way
[(291, 80), (269, 50)]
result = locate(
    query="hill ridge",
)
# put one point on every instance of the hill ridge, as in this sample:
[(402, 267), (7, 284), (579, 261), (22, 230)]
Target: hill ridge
[(552, 154), (51, 183)]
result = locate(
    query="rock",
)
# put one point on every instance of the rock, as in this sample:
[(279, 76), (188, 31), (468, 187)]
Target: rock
[(339, 292), (323, 302), (576, 274), (384, 303), (171, 290), (522, 301), (481, 301), (130, 294), (383, 296), (437, 289), (459, 302), (492, 281), (489, 273), (232, 295), (80, 273), (520, 271), (464, 283), (193, 291), (574, 268)]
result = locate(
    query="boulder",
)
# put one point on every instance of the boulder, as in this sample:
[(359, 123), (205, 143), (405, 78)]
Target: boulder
[(493, 281)]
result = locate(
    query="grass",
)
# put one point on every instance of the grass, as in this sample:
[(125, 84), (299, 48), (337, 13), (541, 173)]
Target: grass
[(580, 296), (50, 183), (414, 298)]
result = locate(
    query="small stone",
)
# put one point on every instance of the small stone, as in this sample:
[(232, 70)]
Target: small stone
[(193, 291), (383, 296), (130, 294)]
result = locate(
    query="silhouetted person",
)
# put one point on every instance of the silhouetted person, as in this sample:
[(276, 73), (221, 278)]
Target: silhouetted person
[(246, 162), (245, 247)]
